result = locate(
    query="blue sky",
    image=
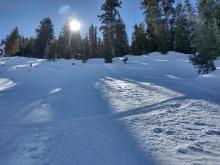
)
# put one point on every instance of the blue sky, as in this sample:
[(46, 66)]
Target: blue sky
[(26, 14)]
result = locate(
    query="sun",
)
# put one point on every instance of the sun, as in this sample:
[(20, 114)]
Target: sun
[(75, 25)]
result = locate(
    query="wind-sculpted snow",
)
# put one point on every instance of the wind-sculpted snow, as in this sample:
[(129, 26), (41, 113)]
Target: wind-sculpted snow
[(6, 84), (153, 110)]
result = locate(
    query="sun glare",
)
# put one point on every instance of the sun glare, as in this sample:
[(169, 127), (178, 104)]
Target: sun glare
[(75, 25)]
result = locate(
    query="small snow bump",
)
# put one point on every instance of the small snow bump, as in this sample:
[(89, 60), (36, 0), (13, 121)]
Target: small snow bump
[(158, 130), (170, 132), (182, 150), (213, 132), (34, 148), (196, 148)]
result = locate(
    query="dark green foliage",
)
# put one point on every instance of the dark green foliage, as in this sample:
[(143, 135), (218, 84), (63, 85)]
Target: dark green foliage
[(139, 41), (109, 20), (191, 26), (51, 50), (86, 49), (182, 33), (207, 38), (108, 47), (12, 44), (26, 48), (93, 47), (158, 19), (121, 40), (152, 17), (44, 35), (207, 48), (100, 48), (162, 37)]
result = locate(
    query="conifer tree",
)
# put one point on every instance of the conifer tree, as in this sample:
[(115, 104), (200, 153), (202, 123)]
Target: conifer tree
[(100, 48), (51, 50), (22, 47), (162, 37), (139, 41), (157, 19), (64, 42), (86, 49), (121, 39), (168, 11), (12, 44), (191, 26), (207, 38), (152, 17), (44, 35), (93, 41), (69, 43), (109, 20), (182, 42), (75, 44)]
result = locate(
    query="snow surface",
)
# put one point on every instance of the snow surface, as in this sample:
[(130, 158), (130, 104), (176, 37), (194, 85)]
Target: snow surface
[(154, 110)]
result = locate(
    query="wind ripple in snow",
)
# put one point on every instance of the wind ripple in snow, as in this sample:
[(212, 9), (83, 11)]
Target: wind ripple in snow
[(6, 84)]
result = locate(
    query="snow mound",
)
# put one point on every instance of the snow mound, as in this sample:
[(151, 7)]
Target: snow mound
[(6, 84)]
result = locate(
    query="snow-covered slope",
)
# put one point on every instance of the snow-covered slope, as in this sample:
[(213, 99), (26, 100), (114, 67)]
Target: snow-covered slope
[(154, 110)]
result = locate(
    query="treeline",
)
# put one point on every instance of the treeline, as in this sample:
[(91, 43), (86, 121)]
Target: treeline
[(168, 26)]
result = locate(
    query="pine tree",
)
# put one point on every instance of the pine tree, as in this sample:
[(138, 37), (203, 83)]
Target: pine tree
[(51, 50), (157, 19), (182, 42), (75, 44), (26, 47), (152, 17), (191, 26), (100, 47), (121, 39), (93, 41), (44, 35), (69, 43), (109, 20), (12, 44), (86, 49), (162, 37), (139, 41), (30, 49), (22, 47), (64, 42), (108, 47), (207, 38), (217, 15)]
